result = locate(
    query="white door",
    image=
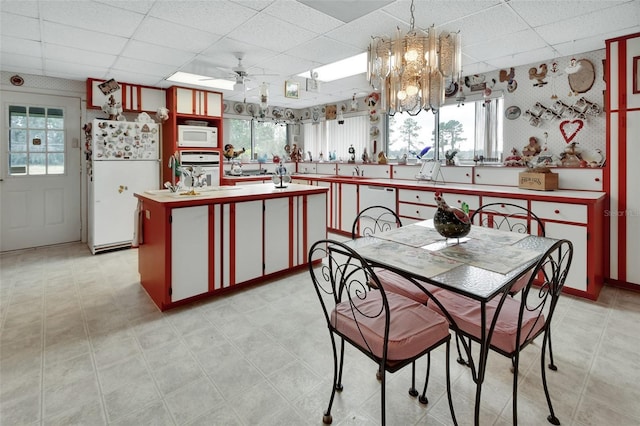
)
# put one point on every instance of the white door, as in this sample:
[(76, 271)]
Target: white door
[(39, 170)]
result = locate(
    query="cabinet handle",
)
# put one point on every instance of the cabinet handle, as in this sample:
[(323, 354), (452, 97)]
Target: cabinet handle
[(556, 211), (502, 205), (477, 175), (467, 174), (597, 179), (459, 201)]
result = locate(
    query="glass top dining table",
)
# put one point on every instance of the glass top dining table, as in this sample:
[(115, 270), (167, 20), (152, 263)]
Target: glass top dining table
[(482, 266)]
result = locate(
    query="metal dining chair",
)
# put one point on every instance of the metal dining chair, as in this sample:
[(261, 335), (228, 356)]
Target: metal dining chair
[(374, 219), (513, 218), (520, 320), (390, 329)]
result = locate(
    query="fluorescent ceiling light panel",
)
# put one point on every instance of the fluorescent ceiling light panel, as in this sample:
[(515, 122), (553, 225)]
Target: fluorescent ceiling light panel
[(340, 69), (201, 80)]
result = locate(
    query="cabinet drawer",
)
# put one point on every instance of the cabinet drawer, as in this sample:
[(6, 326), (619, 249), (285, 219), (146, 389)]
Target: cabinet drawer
[(457, 174), (405, 172), (503, 208), (414, 196), (417, 211), (580, 179), (562, 212), (456, 200)]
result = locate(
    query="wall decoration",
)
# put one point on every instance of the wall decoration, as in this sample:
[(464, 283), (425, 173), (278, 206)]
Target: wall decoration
[(291, 89), (539, 76), (636, 74), (512, 112), (582, 78), (109, 86), (330, 112), (475, 82), (570, 129), (16, 80)]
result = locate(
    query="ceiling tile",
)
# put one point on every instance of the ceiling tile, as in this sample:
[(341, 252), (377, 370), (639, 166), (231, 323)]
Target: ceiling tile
[(156, 54), (359, 32), (82, 39), (346, 11), (20, 7), (224, 53), (140, 6), (271, 33), (20, 27), (329, 50), (214, 16), (520, 41), (598, 23), (177, 36), (20, 46), (17, 62), (74, 56), (303, 16), (143, 67), (537, 13), (530, 57), (92, 16), (62, 69)]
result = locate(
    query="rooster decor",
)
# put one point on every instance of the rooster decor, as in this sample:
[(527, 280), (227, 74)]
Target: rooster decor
[(450, 222), (534, 74)]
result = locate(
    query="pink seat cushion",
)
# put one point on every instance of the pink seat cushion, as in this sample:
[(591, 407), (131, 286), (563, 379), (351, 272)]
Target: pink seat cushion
[(394, 283), (521, 283), (412, 326), (466, 313)]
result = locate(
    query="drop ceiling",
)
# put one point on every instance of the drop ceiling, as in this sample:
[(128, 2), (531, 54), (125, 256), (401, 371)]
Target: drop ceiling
[(145, 41)]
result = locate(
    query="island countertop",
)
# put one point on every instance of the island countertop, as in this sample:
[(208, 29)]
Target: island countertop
[(226, 194)]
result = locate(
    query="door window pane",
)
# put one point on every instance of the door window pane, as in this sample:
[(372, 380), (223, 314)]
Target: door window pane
[(33, 132)]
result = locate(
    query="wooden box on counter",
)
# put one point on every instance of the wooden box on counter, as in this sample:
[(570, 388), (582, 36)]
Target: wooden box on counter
[(540, 181)]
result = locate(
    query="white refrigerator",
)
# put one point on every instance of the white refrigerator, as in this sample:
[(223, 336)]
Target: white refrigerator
[(124, 160)]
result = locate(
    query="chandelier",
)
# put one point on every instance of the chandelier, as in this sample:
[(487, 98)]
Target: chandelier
[(410, 72)]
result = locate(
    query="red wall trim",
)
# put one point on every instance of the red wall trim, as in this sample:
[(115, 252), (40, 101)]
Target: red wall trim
[(622, 160), (232, 244), (292, 224)]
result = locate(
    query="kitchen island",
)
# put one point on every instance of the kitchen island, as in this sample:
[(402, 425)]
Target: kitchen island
[(194, 246)]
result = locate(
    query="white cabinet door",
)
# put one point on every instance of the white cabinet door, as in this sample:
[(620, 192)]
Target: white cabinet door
[(330, 203), (184, 101), (248, 241), (213, 102), (189, 252), (348, 205), (278, 233), (577, 234), (312, 223)]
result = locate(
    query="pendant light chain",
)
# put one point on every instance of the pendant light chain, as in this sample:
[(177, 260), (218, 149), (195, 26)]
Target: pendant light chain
[(413, 19)]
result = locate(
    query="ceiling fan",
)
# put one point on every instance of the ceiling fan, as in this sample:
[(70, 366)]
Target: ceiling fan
[(240, 74)]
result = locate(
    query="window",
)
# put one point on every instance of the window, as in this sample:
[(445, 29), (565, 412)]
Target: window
[(330, 138), (474, 129), (36, 141), (260, 139)]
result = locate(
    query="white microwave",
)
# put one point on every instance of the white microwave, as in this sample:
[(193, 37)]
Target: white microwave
[(197, 137)]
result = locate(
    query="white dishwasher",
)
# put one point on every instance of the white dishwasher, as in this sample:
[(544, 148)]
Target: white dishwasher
[(371, 195)]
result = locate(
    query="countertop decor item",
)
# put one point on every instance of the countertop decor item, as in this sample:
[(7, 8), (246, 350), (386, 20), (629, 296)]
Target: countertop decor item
[(450, 222)]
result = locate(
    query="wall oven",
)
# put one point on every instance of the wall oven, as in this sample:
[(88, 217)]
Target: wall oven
[(209, 161)]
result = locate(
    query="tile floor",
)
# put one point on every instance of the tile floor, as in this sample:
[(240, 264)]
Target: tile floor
[(81, 343)]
